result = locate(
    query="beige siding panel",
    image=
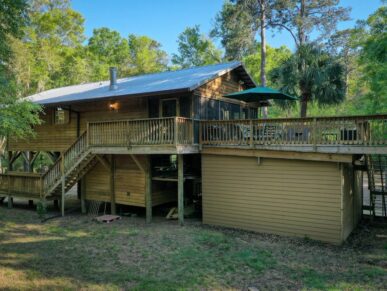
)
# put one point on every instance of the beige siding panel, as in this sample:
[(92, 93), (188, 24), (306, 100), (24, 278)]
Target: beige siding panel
[(286, 197), (352, 204), (358, 196)]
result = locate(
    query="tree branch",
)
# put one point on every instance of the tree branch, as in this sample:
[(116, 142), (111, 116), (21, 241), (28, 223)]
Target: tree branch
[(286, 28)]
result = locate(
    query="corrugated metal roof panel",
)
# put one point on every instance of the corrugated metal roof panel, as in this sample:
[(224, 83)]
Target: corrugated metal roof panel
[(186, 79)]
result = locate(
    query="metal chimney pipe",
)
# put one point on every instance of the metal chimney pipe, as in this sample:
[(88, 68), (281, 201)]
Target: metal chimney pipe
[(113, 78)]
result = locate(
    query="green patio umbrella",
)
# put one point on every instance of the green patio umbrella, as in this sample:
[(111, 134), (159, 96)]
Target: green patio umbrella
[(259, 94)]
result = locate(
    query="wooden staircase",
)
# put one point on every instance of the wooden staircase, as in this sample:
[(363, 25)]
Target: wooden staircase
[(72, 165), (377, 175)]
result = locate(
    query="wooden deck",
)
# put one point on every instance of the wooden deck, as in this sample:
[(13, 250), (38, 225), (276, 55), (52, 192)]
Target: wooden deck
[(142, 136), (338, 138), (341, 135)]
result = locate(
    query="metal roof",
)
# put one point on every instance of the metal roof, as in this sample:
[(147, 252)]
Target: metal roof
[(185, 80)]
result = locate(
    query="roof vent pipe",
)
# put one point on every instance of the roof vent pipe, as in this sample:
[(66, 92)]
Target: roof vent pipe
[(113, 78)]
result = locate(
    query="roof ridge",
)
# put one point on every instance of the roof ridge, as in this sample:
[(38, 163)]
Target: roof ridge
[(179, 70)]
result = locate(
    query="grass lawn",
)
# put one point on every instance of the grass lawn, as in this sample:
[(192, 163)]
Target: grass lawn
[(77, 253)]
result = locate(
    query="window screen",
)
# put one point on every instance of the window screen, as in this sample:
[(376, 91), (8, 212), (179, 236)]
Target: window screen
[(153, 107), (213, 109)]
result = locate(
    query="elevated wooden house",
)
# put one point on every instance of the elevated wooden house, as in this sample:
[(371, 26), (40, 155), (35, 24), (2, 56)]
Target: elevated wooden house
[(152, 139)]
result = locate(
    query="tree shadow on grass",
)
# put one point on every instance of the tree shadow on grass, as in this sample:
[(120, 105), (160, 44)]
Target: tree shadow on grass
[(73, 253)]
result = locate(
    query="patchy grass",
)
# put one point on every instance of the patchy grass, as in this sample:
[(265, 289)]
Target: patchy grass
[(77, 253)]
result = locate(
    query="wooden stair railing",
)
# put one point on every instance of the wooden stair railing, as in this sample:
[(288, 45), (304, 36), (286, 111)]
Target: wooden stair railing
[(71, 164)]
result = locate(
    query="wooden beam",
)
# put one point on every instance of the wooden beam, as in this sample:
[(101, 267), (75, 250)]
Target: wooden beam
[(147, 150), (112, 186), (180, 188), (134, 158), (104, 162), (33, 158), (277, 154), (148, 191), (12, 156), (53, 156), (26, 163)]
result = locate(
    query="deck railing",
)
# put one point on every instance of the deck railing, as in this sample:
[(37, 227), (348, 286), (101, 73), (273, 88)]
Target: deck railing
[(20, 184), (353, 130), (137, 132)]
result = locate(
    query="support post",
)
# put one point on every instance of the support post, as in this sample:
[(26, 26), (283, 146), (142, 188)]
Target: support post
[(251, 141), (83, 195), (314, 134), (10, 200), (148, 191), (112, 188), (176, 131), (63, 178), (180, 188)]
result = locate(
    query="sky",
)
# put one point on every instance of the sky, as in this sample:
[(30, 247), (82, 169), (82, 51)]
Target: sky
[(164, 20)]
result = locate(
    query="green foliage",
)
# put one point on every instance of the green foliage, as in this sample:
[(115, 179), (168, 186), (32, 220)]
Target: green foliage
[(146, 55), (233, 27), (274, 58), (107, 48), (17, 116), (50, 54), (312, 74), (195, 49), (373, 60), (13, 16), (41, 209)]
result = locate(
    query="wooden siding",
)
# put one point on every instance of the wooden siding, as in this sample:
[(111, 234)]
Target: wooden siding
[(129, 183), (286, 197), (51, 137), (48, 136), (98, 184), (129, 108), (228, 83)]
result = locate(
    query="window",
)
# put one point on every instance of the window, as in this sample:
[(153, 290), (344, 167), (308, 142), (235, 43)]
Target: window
[(245, 113), (235, 111), (169, 108), (61, 116), (225, 110), (254, 113)]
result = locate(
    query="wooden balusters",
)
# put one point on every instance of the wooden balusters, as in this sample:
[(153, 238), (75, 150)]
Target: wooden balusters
[(358, 130), (153, 131), (20, 184)]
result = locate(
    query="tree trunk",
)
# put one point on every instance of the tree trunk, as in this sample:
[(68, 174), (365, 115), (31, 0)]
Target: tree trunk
[(301, 30), (304, 105), (263, 49)]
